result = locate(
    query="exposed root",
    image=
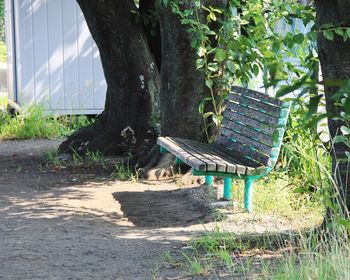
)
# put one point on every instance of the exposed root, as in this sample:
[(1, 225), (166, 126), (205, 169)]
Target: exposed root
[(165, 168), (189, 179)]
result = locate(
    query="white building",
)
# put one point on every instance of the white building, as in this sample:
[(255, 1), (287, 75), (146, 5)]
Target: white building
[(52, 58)]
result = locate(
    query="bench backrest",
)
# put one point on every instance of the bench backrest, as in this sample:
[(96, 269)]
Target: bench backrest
[(253, 125)]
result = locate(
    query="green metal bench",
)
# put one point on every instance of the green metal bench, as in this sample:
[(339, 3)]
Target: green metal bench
[(247, 146)]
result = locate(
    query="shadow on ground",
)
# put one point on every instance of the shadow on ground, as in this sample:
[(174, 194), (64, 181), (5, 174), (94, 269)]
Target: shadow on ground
[(162, 208)]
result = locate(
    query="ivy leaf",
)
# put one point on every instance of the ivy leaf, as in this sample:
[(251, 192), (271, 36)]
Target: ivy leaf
[(201, 51), (213, 67), (339, 139), (329, 35), (209, 83), (345, 130), (199, 63), (220, 55)]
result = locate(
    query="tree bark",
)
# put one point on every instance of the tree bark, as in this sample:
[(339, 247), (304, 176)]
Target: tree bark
[(182, 86), (335, 64), (132, 80)]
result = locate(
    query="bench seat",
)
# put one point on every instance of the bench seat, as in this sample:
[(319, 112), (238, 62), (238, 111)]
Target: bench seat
[(210, 157)]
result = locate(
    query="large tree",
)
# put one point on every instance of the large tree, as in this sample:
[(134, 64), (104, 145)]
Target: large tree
[(138, 90), (334, 55)]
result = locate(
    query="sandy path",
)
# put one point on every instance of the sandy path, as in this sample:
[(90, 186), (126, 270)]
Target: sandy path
[(76, 224)]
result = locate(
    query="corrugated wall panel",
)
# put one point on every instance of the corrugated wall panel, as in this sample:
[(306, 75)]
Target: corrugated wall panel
[(70, 52), (55, 48), (85, 63), (24, 52), (58, 63), (40, 52)]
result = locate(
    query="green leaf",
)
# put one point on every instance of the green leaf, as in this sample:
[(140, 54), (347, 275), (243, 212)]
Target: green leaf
[(231, 66), (201, 108), (339, 31), (299, 38), (268, 54), (201, 51), (345, 130), (220, 55), (213, 67), (339, 139), (199, 63), (345, 223), (329, 35), (209, 83), (256, 70), (289, 88), (347, 105)]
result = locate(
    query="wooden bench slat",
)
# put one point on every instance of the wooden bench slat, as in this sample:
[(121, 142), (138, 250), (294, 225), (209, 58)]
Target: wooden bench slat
[(229, 166), (212, 165), (241, 166), (252, 166), (245, 150), (181, 154), (255, 104), (244, 120), (257, 146), (257, 95), (248, 132), (253, 114)]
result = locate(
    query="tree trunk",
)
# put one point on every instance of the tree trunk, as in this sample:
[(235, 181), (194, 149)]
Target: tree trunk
[(335, 63), (132, 80), (182, 86), (134, 83)]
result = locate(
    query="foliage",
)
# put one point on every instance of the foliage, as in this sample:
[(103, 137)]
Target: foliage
[(305, 158), (240, 42), (319, 258), (33, 122)]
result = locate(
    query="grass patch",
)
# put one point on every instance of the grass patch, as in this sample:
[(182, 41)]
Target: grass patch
[(123, 172), (277, 195), (301, 256), (34, 123)]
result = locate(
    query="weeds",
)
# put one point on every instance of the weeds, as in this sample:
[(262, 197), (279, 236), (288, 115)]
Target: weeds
[(33, 122), (123, 172), (52, 158), (195, 266)]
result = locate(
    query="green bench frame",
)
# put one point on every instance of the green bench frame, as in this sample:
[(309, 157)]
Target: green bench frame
[(245, 109)]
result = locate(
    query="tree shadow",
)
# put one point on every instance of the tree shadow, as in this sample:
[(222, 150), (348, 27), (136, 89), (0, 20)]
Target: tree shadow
[(177, 208)]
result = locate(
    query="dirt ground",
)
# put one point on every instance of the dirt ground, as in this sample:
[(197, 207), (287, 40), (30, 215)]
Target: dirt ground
[(77, 223)]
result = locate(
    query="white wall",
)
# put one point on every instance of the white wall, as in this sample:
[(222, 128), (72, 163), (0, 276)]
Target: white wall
[(57, 63)]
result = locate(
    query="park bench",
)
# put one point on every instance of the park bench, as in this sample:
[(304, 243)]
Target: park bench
[(247, 146)]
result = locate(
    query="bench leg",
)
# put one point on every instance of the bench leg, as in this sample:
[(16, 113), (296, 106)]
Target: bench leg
[(227, 188), (209, 180), (248, 193)]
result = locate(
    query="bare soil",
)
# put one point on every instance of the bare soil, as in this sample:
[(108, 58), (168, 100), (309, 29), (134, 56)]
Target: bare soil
[(77, 223)]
